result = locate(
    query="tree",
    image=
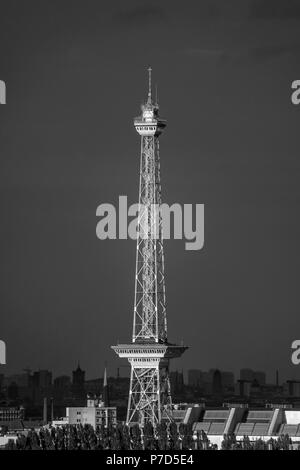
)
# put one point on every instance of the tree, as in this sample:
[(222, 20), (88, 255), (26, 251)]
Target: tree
[(259, 444), (173, 436), (136, 437), (229, 440), (162, 436), (246, 444), (186, 435), (149, 439), (11, 445), (283, 442), (125, 437)]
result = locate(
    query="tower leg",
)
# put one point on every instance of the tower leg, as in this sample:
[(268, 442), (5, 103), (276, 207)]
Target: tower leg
[(149, 394), (144, 403)]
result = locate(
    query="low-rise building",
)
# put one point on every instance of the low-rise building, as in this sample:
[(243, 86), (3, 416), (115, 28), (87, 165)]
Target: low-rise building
[(95, 414)]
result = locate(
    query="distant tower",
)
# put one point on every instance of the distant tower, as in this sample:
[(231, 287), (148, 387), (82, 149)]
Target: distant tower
[(78, 376), (52, 408), (45, 411), (105, 394), (150, 352), (217, 388), (78, 383)]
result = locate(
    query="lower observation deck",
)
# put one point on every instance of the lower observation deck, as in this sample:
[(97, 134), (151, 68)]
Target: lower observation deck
[(155, 350)]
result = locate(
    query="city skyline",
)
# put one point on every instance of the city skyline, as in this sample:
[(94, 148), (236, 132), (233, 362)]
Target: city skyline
[(67, 144), (124, 372)]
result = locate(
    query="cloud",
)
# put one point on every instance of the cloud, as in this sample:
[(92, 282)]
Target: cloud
[(202, 52), (268, 52), (257, 54), (140, 15), (263, 53), (275, 9), (248, 9), (209, 10)]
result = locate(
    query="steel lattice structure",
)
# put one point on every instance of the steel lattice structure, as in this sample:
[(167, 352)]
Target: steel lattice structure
[(149, 353), (150, 322)]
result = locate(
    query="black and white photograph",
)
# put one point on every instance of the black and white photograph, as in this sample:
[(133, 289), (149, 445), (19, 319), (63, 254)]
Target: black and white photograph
[(149, 234)]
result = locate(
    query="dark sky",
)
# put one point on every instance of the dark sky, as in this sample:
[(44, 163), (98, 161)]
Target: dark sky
[(76, 74)]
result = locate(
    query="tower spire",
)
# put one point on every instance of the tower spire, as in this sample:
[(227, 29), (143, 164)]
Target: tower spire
[(150, 86)]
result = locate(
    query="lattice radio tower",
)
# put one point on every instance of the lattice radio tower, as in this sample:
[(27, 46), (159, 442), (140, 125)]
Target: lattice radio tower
[(149, 353)]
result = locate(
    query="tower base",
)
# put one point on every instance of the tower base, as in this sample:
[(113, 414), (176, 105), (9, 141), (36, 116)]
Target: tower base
[(149, 394)]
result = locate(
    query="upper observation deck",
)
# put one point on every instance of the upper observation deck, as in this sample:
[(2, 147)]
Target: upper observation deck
[(149, 123)]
